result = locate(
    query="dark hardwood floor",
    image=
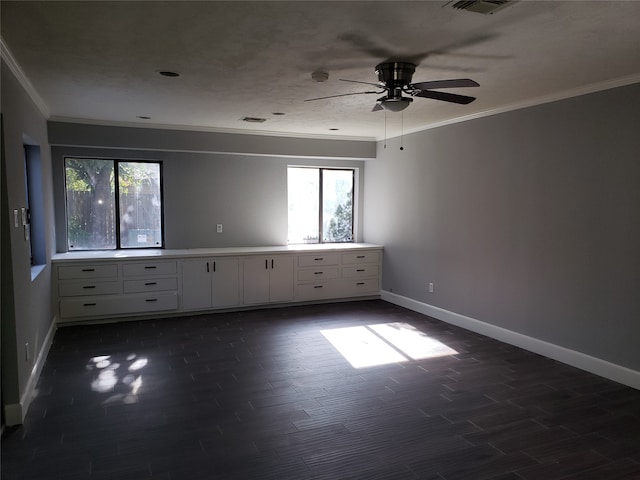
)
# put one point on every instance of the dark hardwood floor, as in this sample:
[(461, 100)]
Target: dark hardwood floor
[(264, 395)]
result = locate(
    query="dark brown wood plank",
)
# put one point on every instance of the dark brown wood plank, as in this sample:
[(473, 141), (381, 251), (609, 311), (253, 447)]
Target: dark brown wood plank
[(262, 394)]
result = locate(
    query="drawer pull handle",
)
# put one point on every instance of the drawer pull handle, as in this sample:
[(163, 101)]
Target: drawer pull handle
[(148, 284), (360, 256), (318, 259), (317, 286), (150, 267), (88, 269), (151, 300), (360, 283), (89, 286), (89, 304), (360, 270), (318, 273)]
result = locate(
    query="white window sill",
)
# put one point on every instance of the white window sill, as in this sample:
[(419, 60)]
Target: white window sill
[(36, 270)]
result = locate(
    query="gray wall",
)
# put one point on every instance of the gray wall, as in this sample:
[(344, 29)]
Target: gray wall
[(528, 220), (246, 193), (80, 134), (26, 301)]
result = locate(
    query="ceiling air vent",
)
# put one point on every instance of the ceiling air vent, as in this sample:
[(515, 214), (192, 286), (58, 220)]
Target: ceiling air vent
[(254, 119), (486, 7)]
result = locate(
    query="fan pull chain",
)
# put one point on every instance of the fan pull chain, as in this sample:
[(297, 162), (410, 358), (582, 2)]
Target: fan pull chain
[(385, 128), (402, 131)]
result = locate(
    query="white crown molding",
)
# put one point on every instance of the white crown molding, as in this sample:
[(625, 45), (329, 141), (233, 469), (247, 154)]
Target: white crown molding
[(566, 94), (15, 68)]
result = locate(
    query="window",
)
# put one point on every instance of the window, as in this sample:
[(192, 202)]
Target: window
[(320, 205), (113, 204)]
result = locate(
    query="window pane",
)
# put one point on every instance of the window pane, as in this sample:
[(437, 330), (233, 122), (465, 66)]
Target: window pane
[(304, 199), (337, 205), (140, 205), (90, 204)]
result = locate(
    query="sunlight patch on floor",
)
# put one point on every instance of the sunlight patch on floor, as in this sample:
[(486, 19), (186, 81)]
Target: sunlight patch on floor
[(361, 347), (411, 341), (385, 343), (107, 379)]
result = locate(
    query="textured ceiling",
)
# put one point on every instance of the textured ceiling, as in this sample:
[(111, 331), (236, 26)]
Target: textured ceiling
[(99, 61)]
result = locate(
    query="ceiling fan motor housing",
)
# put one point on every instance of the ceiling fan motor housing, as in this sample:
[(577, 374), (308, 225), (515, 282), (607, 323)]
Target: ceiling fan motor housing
[(395, 74)]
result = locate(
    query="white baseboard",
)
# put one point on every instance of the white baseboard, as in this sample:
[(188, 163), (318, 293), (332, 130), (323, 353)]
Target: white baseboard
[(14, 413), (576, 359)]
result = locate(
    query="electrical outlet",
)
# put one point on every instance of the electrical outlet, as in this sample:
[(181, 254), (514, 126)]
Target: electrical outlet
[(219, 228), (26, 352), (430, 287)]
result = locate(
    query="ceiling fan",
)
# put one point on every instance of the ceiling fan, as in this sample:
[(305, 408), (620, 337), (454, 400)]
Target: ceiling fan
[(394, 78)]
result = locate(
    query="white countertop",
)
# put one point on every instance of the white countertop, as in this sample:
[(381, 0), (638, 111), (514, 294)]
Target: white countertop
[(133, 254)]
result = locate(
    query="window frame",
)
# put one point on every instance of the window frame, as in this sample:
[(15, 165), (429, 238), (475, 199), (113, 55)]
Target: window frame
[(321, 171), (116, 202)]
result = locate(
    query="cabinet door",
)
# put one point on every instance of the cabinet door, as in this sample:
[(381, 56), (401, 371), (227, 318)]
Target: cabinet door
[(255, 279), (196, 284), (281, 278), (225, 277)]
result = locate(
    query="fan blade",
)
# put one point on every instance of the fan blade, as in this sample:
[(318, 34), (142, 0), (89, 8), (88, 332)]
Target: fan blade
[(366, 45), (454, 83), (377, 107), (364, 83), (445, 96), (342, 95)]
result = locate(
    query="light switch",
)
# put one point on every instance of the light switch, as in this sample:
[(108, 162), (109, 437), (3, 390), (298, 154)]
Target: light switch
[(219, 228), (16, 219)]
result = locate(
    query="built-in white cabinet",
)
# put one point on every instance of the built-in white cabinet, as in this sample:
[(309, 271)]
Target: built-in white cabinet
[(210, 283), (317, 276), (267, 279), (102, 286), (323, 276), (113, 289)]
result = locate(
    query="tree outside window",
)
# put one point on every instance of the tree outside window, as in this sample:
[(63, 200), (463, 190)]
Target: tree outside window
[(320, 205), (97, 188)]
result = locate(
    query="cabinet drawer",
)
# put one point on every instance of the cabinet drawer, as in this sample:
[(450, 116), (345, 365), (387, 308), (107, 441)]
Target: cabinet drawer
[(150, 285), (318, 259), (148, 268), (87, 271), (121, 305), (361, 271), (317, 274), (87, 307), (360, 257), (352, 287), (76, 289), (315, 291), (151, 302)]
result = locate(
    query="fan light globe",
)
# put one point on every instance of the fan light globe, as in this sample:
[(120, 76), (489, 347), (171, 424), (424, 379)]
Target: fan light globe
[(396, 104)]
